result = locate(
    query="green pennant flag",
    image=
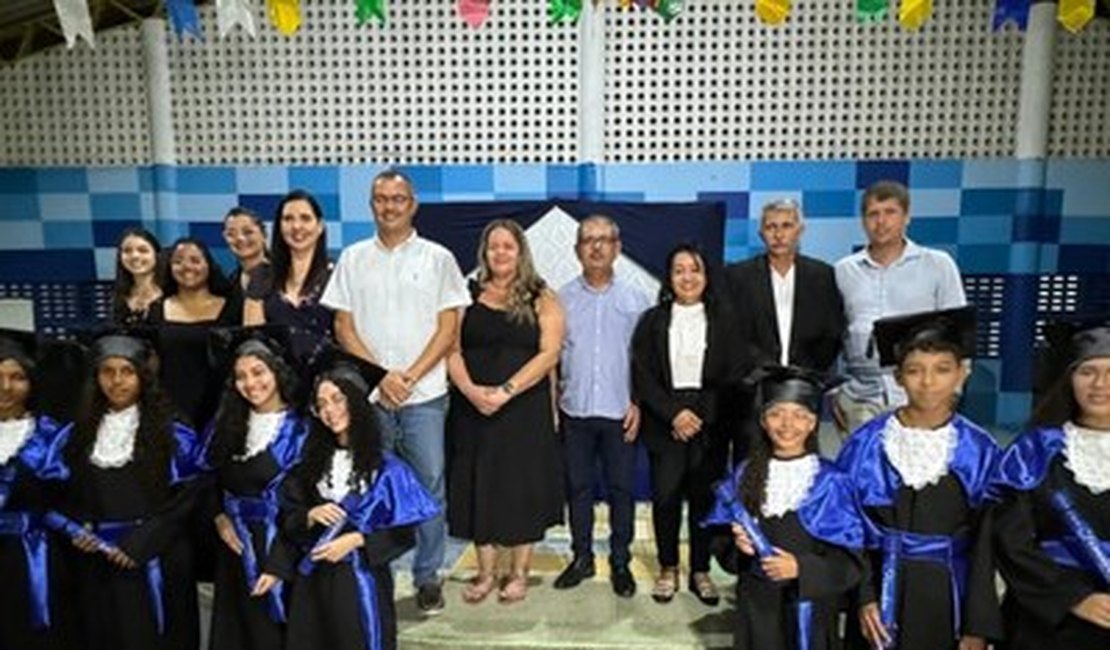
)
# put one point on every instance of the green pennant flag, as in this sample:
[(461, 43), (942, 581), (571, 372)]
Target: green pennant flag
[(370, 10), (560, 10), (870, 11)]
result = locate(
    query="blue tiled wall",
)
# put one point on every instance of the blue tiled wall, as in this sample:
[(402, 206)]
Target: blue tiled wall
[(1005, 217)]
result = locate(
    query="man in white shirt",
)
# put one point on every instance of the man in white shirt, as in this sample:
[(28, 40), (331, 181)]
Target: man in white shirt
[(891, 276), (397, 298)]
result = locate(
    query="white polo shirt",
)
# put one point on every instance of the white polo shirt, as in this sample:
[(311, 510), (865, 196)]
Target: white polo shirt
[(394, 297)]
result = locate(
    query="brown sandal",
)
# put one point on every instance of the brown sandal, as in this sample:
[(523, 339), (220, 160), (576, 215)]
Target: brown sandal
[(702, 586), (514, 590), (478, 589), (666, 585)]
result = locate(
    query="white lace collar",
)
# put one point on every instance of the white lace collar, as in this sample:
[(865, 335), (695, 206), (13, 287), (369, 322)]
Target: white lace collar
[(1088, 456), (262, 428), (115, 438), (921, 456), (13, 435), (788, 483), (335, 484)]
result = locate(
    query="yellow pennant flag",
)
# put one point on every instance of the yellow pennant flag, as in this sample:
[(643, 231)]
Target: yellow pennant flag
[(1075, 14), (912, 14), (624, 4), (285, 15), (772, 12)]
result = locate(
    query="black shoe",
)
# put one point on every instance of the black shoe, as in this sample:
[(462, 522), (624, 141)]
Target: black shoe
[(623, 584), (576, 572), (429, 598)]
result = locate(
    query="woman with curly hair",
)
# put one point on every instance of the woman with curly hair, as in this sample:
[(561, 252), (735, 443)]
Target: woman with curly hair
[(256, 438), (353, 509), (133, 485), (505, 487), (31, 466)]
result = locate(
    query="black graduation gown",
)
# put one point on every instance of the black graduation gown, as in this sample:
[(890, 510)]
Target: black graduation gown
[(116, 605), (953, 507), (325, 609), (240, 621), (1040, 593), (32, 477)]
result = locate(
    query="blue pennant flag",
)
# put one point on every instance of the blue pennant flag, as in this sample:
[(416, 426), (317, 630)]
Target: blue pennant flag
[(184, 18), (1016, 11)]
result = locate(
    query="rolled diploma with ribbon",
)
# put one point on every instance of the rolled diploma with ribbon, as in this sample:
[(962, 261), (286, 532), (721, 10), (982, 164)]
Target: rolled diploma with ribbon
[(1084, 537)]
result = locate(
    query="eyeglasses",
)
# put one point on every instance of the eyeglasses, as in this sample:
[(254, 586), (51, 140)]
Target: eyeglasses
[(396, 200), (337, 401), (596, 241)]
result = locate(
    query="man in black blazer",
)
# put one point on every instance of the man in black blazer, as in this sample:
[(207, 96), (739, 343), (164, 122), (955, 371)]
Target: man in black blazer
[(788, 307)]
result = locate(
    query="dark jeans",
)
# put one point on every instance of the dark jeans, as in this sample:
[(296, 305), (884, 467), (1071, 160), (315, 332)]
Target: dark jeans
[(586, 441)]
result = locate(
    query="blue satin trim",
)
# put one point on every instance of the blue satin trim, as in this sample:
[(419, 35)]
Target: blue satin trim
[(898, 546), (1060, 551), (286, 446), (876, 481), (1026, 462), (187, 461), (1082, 539), (244, 510), (395, 499), (35, 544)]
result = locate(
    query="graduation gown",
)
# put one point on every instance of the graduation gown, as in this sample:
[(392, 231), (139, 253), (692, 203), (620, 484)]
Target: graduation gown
[(1040, 591), (825, 533), (921, 522), (154, 606), (348, 605), (33, 611), (246, 490)]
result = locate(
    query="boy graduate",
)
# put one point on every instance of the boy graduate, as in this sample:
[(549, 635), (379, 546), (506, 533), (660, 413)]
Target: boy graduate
[(795, 520), (921, 475), (31, 467), (1052, 526)]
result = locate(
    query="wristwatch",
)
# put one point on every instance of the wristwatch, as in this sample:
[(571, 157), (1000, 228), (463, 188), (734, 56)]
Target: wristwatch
[(508, 388)]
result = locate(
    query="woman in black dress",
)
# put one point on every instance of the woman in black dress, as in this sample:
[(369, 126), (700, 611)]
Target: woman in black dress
[(132, 489), (1057, 594), (791, 580), (287, 291), (138, 276), (256, 440), (32, 615), (504, 484), (353, 509), (685, 366), (245, 236)]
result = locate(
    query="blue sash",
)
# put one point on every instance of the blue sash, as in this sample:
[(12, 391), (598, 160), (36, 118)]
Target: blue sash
[(898, 546), (35, 547), (244, 510), (1081, 546)]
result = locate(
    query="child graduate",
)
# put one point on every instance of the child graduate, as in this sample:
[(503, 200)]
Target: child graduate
[(921, 475), (793, 516), (1052, 527), (256, 439), (132, 489), (353, 507), (31, 615)]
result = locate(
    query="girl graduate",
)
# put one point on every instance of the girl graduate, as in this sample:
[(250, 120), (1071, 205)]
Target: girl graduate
[(921, 474), (31, 617), (353, 508), (132, 489), (791, 581), (1052, 527), (256, 439)]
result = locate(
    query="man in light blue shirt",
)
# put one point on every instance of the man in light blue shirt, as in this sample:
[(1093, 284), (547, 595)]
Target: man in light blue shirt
[(598, 417), (890, 276)]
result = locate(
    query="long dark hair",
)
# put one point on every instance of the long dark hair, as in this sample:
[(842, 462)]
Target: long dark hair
[(281, 260), (154, 442), (240, 211), (666, 288), (753, 485), (229, 437), (125, 281), (218, 284), (364, 439)]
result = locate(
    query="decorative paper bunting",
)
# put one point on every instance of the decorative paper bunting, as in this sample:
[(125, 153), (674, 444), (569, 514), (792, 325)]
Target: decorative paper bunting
[(912, 14), (561, 10), (667, 9), (370, 10), (1075, 14), (772, 12), (230, 13), (74, 19), (1015, 11), (184, 18), (870, 11), (624, 4), (474, 12), (285, 15)]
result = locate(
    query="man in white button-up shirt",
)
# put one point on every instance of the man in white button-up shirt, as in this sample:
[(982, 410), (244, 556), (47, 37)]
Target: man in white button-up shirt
[(397, 298)]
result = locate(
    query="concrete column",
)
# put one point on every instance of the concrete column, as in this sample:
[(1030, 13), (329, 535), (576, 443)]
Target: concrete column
[(591, 79), (1035, 101), (156, 59)]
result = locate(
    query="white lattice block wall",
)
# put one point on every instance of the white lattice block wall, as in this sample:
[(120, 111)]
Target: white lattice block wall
[(1081, 94), (718, 84), (77, 107), (425, 88)]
